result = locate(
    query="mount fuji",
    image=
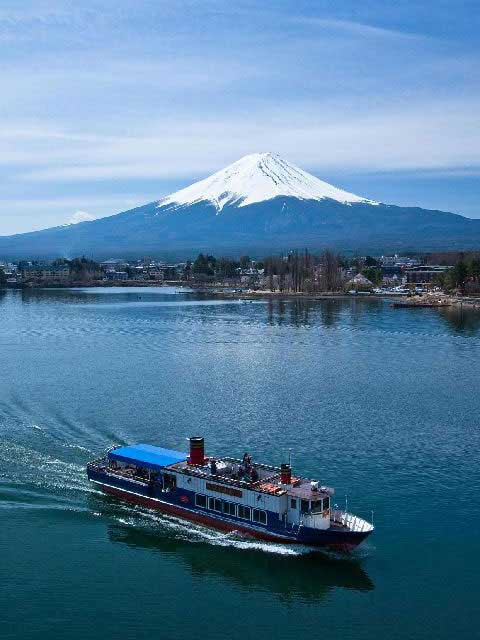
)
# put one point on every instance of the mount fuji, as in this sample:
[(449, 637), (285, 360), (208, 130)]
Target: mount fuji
[(257, 178), (260, 203)]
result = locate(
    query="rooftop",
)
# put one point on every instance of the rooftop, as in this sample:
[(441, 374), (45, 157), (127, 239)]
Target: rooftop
[(301, 488), (147, 455), (228, 473)]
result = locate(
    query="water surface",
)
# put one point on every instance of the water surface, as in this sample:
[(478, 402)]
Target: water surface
[(381, 403)]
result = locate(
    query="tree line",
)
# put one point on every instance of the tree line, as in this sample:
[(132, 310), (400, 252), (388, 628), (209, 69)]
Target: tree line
[(298, 271), (209, 267), (464, 276)]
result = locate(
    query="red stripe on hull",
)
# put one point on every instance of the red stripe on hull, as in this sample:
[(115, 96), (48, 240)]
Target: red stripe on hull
[(201, 518)]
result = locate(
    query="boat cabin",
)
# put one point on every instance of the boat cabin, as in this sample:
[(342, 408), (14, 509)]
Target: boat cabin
[(240, 489)]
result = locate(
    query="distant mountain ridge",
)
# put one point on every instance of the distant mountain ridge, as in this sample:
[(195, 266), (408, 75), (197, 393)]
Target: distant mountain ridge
[(260, 203)]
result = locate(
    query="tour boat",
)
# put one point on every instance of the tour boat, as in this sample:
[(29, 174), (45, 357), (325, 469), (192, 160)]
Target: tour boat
[(232, 495)]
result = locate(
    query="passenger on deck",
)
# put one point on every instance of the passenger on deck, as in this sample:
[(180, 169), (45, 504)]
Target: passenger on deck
[(254, 474), (247, 462), (213, 467)]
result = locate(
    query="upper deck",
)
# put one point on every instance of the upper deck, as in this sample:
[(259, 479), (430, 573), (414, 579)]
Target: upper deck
[(262, 478), (227, 471)]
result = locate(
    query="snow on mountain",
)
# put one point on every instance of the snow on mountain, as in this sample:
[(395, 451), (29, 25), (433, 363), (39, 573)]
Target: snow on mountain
[(81, 216), (283, 208), (256, 178)]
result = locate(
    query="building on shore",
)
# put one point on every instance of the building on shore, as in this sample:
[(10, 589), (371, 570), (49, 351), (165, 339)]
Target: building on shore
[(359, 283), (425, 274), (113, 264), (45, 273), (117, 275)]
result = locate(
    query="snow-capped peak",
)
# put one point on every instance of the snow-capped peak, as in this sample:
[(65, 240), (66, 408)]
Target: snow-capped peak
[(256, 178)]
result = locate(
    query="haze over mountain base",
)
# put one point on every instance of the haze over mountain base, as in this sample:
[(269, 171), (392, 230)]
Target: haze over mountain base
[(259, 204)]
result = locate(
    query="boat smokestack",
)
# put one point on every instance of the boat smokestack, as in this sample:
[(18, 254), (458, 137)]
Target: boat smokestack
[(286, 473), (197, 451)]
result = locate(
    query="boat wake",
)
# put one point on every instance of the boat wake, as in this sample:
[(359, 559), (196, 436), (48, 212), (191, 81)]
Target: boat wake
[(147, 521), (40, 470)]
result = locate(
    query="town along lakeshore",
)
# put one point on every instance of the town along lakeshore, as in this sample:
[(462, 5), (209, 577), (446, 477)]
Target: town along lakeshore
[(456, 274)]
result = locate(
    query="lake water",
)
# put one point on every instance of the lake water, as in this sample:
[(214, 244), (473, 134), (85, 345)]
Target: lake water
[(381, 403)]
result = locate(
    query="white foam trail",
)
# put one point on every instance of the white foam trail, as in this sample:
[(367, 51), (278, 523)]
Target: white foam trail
[(33, 468), (195, 533)]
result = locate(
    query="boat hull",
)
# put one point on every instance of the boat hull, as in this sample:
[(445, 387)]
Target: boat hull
[(332, 539)]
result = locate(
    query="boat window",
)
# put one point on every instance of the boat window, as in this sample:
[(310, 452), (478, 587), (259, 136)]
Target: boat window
[(201, 501), (304, 506), (293, 503), (229, 508), (214, 504), (169, 482), (316, 506), (141, 472), (259, 516), (326, 503), (243, 512)]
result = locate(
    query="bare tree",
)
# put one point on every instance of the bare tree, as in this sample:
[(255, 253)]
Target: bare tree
[(331, 273)]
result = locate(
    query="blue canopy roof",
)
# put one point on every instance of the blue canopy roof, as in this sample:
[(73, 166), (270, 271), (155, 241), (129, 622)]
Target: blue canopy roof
[(147, 456)]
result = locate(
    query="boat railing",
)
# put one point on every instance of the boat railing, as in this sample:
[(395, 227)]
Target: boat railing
[(351, 521), (129, 473), (257, 465), (102, 463), (99, 463), (227, 480), (200, 473)]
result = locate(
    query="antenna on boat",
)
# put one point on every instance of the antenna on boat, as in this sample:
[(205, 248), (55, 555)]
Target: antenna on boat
[(346, 503)]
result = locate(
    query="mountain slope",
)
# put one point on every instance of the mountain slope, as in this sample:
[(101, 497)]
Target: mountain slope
[(258, 204), (257, 178)]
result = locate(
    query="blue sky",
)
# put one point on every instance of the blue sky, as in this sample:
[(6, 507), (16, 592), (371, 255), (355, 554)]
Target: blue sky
[(106, 105)]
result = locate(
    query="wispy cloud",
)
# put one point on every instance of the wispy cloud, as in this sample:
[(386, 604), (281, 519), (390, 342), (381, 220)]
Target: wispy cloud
[(426, 135), (111, 97), (353, 28)]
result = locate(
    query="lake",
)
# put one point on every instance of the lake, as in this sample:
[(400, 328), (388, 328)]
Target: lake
[(383, 404)]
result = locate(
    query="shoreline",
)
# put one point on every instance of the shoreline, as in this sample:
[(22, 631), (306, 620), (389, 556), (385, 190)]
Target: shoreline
[(432, 300)]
